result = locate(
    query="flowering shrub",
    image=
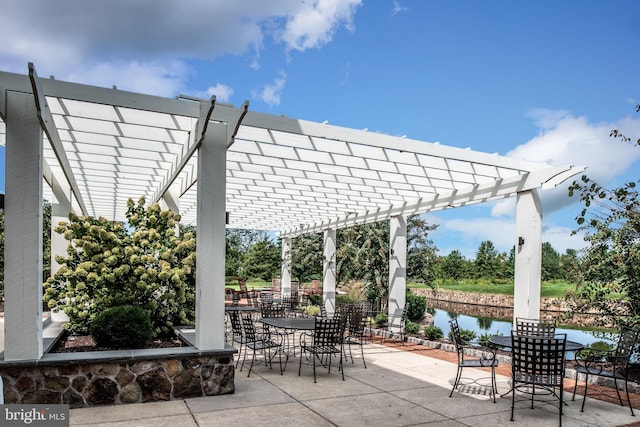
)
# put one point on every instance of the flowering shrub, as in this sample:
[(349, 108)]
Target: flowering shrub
[(109, 264)]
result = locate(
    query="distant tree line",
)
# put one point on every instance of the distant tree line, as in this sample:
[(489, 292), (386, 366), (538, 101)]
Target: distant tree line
[(362, 255)]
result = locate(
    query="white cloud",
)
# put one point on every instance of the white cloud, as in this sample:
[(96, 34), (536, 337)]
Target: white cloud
[(270, 93), (313, 23), (397, 8), (568, 140), (221, 91), (75, 39), (163, 79), (562, 139)]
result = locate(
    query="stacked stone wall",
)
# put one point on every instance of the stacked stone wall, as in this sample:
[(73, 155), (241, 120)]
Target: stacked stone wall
[(498, 306), (81, 383)]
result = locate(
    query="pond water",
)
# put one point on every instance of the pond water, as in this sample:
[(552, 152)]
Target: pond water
[(491, 326)]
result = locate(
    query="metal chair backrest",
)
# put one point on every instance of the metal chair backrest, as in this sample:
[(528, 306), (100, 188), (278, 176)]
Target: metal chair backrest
[(327, 332), (271, 310), (249, 328), (538, 360), (357, 322), (627, 343), (236, 323), (252, 299), (266, 297), (535, 327), (456, 336)]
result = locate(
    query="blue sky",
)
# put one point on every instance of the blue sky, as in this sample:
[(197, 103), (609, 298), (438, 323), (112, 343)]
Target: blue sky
[(540, 80)]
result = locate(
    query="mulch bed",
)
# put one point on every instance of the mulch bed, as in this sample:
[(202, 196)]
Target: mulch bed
[(79, 343)]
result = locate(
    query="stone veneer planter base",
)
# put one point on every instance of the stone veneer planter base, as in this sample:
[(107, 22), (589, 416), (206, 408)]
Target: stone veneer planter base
[(118, 377)]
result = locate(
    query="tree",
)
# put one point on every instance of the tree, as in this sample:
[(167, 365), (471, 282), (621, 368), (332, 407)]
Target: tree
[(487, 264), (307, 257), (610, 220), (453, 266), (363, 254), (421, 253), (110, 264), (238, 242), (571, 266), (551, 268), (263, 260)]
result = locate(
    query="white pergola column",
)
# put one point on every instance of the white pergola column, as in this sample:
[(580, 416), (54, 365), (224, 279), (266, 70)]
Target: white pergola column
[(528, 268), (397, 267), (285, 274), (329, 271), (212, 159), (23, 230), (59, 212)]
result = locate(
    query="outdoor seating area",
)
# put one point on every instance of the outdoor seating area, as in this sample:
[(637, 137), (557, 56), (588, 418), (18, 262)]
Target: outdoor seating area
[(401, 385)]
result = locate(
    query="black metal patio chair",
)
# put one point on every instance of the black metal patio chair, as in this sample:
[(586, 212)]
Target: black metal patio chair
[(472, 355), (355, 333), (537, 369), (612, 364), (323, 344), (259, 343)]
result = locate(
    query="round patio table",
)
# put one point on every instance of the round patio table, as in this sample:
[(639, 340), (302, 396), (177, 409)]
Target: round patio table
[(295, 323), (504, 341), (241, 308)]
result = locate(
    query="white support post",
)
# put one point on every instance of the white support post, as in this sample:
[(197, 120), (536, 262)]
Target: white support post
[(59, 212), (285, 273), (210, 261), (329, 271), (23, 230), (397, 267), (528, 242)]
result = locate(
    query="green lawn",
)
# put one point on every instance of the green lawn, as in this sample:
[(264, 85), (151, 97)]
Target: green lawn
[(549, 289)]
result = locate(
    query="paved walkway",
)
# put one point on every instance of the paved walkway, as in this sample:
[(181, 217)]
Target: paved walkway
[(399, 388)]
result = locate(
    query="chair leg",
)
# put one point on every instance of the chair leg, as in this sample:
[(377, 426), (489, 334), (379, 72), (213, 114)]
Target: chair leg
[(253, 358), (314, 368), (513, 398), (561, 404), (586, 385), (626, 388), (455, 382), (362, 353), (494, 384)]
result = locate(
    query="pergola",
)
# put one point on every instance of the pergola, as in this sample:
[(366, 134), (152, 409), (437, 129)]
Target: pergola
[(89, 149)]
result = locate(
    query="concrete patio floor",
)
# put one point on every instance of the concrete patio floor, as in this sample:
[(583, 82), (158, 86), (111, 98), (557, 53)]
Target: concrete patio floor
[(398, 388)]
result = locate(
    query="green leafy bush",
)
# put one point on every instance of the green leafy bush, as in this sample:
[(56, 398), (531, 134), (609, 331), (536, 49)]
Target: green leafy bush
[(411, 327), (433, 333), (313, 310), (465, 334), (416, 306), (382, 319), (315, 300), (123, 326), (108, 264)]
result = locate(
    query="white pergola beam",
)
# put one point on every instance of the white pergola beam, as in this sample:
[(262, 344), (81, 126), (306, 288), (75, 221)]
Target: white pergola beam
[(48, 126)]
